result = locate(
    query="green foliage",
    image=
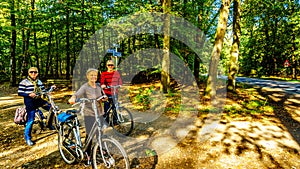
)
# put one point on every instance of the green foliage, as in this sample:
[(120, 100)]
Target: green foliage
[(143, 97), (248, 108), (270, 33), (268, 37)]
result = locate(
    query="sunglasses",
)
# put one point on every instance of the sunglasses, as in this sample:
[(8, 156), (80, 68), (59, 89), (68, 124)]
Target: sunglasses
[(110, 65), (33, 72)]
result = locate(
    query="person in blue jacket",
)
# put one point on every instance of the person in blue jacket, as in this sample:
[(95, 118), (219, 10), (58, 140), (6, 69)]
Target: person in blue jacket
[(28, 88)]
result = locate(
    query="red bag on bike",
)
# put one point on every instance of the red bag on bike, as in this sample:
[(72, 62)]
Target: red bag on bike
[(20, 116)]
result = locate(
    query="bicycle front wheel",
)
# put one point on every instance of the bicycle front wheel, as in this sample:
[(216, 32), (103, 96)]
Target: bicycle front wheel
[(67, 144), (110, 155), (122, 121)]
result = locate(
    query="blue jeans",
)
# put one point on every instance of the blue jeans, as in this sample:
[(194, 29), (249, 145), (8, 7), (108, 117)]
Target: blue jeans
[(30, 120)]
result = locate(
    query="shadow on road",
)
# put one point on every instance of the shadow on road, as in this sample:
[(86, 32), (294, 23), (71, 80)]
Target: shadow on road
[(291, 102)]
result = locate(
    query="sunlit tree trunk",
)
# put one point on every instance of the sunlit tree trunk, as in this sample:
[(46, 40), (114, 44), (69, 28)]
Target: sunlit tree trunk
[(234, 53), (165, 73), (210, 90)]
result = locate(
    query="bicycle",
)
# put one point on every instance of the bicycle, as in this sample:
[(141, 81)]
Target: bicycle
[(119, 117), (54, 109), (106, 151)]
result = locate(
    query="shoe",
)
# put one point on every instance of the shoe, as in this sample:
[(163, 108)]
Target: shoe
[(29, 142), (51, 127)]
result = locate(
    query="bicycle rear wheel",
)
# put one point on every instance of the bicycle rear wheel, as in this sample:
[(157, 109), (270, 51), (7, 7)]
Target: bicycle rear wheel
[(114, 155), (68, 149), (122, 121)]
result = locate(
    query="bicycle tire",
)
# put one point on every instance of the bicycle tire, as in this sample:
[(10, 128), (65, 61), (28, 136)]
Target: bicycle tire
[(125, 126), (67, 144), (114, 155)]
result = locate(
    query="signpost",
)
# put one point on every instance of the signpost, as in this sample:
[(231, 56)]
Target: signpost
[(286, 63), (115, 53)]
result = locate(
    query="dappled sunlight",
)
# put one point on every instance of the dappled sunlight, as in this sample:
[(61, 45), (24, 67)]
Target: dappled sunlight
[(236, 144), (239, 139), (8, 98)]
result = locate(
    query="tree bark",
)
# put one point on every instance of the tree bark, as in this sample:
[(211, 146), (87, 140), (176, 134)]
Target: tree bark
[(49, 59), (13, 79), (234, 53), (68, 45), (210, 90), (165, 73)]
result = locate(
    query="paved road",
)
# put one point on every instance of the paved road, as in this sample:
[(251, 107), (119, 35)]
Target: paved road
[(291, 87)]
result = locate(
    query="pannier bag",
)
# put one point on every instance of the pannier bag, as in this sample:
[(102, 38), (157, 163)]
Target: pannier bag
[(63, 117), (20, 116)]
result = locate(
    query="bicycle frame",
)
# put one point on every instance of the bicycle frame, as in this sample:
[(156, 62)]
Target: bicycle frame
[(53, 108), (115, 103), (97, 127)]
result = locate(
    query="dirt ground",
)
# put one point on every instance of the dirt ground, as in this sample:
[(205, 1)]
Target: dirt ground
[(267, 140)]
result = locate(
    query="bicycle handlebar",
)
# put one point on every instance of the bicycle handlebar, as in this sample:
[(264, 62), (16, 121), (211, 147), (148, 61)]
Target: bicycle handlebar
[(114, 87), (46, 92), (83, 100)]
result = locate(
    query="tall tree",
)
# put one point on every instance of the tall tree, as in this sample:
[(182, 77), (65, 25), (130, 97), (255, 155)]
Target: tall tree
[(33, 19), (13, 79), (165, 73), (68, 43), (234, 53), (210, 90)]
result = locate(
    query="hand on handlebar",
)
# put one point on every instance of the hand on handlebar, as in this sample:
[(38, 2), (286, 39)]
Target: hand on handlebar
[(105, 98), (72, 100), (103, 86)]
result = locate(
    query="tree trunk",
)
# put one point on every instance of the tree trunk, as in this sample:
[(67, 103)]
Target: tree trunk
[(165, 73), (234, 53), (34, 37), (68, 45), (56, 55), (294, 50), (49, 59), (210, 90), (13, 79)]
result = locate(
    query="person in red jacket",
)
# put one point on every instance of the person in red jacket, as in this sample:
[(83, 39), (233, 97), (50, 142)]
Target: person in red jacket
[(110, 77)]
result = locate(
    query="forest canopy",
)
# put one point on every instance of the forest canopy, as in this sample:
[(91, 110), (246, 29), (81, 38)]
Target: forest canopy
[(50, 34)]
